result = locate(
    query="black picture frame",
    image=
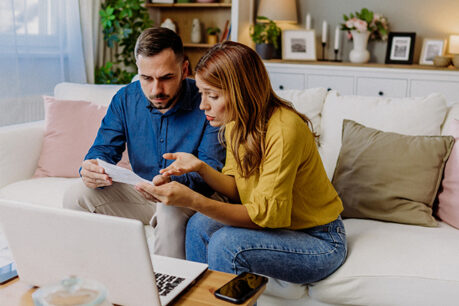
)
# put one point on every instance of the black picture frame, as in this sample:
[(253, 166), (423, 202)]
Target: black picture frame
[(400, 48)]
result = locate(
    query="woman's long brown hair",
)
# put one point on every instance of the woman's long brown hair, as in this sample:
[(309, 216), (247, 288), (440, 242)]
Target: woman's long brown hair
[(239, 73)]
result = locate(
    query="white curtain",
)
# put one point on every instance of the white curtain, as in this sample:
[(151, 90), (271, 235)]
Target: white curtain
[(40, 46), (91, 30)]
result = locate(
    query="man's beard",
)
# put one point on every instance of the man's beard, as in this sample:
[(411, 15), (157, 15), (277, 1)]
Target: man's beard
[(161, 96)]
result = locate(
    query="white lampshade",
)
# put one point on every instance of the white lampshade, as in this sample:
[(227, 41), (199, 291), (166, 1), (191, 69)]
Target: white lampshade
[(278, 10), (454, 44)]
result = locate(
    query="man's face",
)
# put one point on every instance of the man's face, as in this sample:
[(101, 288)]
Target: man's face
[(161, 77)]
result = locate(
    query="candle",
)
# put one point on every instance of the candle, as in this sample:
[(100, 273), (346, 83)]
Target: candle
[(308, 21), (324, 32), (337, 34)]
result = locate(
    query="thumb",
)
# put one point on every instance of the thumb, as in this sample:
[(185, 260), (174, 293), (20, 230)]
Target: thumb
[(170, 156)]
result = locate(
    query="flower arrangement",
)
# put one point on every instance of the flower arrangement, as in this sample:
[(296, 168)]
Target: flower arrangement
[(366, 20)]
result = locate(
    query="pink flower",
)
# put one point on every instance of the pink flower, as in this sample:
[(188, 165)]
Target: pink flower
[(350, 23), (361, 25)]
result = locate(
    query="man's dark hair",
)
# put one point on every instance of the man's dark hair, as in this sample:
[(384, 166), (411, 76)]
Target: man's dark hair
[(154, 40)]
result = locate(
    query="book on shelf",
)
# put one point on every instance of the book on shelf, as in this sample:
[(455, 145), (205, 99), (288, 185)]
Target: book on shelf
[(225, 31)]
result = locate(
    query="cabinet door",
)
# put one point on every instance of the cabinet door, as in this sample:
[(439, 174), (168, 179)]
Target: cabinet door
[(396, 88), (422, 88), (343, 84), (281, 81)]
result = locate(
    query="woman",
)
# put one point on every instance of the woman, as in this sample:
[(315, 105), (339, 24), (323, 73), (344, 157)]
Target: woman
[(288, 226)]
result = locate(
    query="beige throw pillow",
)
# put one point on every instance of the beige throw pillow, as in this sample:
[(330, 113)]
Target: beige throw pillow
[(388, 176)]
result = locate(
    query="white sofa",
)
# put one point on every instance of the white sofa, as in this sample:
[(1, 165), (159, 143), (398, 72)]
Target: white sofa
[(387, 263)]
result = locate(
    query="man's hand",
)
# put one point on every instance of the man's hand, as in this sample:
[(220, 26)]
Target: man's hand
[(93, 175)]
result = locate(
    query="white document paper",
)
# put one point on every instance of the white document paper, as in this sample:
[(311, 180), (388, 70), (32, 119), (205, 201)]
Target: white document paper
[(121, 175)]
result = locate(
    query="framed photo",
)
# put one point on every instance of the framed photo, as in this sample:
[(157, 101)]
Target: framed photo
[(299, 45), (430, 49), (400, 48)]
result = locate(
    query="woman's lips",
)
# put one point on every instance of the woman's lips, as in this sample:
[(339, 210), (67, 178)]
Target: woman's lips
[(209, 118)]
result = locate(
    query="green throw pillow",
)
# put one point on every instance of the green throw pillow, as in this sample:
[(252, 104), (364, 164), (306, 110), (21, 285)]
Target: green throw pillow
[(388, 176)]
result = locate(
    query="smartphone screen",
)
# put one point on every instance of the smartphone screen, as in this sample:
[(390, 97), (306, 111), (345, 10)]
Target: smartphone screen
[(240, 288)]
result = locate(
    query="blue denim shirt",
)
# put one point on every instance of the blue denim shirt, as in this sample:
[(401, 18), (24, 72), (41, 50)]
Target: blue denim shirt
[(149, 134)]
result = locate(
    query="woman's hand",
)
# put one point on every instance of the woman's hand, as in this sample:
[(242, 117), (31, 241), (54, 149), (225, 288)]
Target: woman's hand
[(172, 193), (184, 163)]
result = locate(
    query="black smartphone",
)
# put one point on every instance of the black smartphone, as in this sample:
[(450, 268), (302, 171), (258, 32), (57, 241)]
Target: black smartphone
[(241, 288)]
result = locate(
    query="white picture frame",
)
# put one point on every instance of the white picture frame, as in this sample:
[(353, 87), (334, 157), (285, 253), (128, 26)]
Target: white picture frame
[(299, 45), (430, 48)]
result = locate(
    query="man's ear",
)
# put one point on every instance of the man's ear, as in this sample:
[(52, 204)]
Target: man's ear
[(185, 69)]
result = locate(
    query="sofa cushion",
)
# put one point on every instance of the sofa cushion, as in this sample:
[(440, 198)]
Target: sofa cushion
[(394, 264), (448, 206), (70, 129), (410, 116), (388, 176), (47, 191), (308, 101)]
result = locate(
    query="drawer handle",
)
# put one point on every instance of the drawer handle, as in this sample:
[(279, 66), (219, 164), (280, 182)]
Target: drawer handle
[(381, 93), (281, 87), (328, 89)]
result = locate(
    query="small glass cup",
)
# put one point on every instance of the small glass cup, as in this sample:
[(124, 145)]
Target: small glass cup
[(72, 291)]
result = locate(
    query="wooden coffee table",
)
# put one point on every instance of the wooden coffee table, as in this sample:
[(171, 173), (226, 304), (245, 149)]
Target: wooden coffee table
[(18, 293)]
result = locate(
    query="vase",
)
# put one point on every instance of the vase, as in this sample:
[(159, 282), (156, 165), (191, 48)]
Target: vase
[(359, 54), (196, 31), (266, 51)]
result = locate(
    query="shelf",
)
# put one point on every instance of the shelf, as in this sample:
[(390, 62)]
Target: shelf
[(201, 45), (188, 5), (368, 65)]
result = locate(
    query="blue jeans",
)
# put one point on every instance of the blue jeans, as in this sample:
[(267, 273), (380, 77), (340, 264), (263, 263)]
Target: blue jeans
[(301, 256)]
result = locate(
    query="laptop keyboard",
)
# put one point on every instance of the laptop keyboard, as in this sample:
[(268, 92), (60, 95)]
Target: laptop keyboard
[(166, 283)]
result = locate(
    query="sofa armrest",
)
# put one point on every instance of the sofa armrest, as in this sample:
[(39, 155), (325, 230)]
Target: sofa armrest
[(20, 147)]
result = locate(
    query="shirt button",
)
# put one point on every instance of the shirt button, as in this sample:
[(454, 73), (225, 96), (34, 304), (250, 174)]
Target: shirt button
[(161, 140)]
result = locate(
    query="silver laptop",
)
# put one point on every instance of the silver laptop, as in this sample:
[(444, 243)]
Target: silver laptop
[(50, 244)]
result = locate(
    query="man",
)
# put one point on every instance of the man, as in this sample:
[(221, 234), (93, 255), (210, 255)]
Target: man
[(155, 115)]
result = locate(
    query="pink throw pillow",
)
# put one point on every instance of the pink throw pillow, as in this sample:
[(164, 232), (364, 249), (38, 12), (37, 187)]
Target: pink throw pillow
[(70, 130), (448, 206)]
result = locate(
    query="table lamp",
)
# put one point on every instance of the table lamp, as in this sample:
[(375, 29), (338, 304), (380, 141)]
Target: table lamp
[(278, 11), (454, 48)]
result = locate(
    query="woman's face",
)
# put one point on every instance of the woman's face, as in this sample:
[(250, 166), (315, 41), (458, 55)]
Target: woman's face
[(213, 102)]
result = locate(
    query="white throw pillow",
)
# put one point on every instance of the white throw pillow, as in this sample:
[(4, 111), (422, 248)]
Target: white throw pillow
[(409, 116), (308, 101)]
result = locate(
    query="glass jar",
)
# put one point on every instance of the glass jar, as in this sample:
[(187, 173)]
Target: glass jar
[(72, 291)]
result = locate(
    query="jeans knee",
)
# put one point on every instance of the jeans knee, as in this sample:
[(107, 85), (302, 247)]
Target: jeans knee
[(222, 251)]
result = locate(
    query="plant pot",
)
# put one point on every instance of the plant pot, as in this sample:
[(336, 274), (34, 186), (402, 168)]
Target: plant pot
[(359, 54), (212, 39), (266, 51)]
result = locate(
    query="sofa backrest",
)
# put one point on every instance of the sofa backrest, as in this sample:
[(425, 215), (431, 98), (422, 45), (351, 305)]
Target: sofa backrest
[(453, 113), (99, 94)]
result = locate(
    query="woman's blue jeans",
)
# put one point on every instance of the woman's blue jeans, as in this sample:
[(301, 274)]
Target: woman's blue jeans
[(302, 256)]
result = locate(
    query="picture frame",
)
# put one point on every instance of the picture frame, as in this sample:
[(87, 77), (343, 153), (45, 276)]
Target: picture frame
[(430, 48), (400, 48), (299, 45)]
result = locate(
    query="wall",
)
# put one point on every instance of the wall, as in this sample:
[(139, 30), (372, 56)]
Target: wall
[(428, 18)]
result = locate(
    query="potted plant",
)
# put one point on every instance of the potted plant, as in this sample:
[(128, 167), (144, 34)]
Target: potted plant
[(122, 21), (266, 35), (212, 33)]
